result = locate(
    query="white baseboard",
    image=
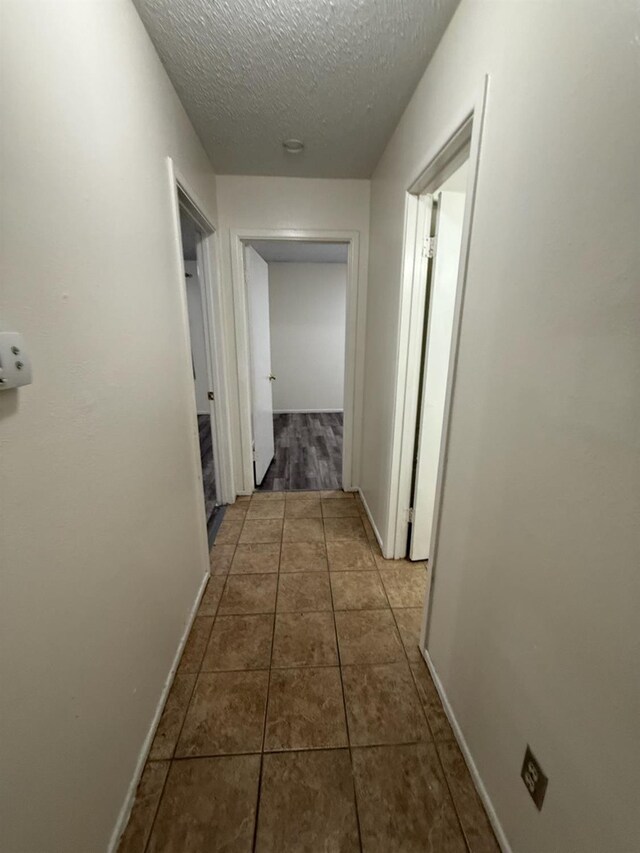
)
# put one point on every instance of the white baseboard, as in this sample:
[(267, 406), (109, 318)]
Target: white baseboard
[(370, 517), (475, 775), (308, 411), (130, 796)]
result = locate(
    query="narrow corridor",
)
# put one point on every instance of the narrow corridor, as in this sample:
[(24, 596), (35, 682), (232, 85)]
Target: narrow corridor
[(302, 716)]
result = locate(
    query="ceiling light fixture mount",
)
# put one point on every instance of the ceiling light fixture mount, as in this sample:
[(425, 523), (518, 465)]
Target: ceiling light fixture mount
[(293, 146)]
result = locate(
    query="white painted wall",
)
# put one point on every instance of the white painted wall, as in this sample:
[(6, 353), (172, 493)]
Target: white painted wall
[(442, 301), (307, 304), (197, 337), (294, 203), (535, 631), (102, 524)]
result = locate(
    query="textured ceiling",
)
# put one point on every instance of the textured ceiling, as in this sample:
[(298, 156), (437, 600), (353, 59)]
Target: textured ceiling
[(295, 251), (335, 73)]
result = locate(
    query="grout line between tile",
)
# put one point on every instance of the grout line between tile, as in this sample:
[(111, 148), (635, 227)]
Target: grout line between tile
[(266, 711), (430, 730), (225, 576), (188, 705), (346, 719)]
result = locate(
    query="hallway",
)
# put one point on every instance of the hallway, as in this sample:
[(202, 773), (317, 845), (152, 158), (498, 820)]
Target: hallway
[(302, 716)]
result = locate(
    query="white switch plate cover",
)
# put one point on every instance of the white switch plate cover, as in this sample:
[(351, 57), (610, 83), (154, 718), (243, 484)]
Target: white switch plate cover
[(15, 364)]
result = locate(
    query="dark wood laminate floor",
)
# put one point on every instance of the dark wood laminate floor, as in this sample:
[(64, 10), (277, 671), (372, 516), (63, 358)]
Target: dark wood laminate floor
[(208, 469), (308, 452)]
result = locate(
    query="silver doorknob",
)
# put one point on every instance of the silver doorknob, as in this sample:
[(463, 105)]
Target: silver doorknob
[(272, 378)]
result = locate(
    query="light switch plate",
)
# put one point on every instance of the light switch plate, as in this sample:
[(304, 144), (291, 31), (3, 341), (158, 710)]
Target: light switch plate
[(15, 364)]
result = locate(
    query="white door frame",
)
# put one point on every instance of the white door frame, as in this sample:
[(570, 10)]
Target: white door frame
[(462, 142), (208, 267), (353, 345)]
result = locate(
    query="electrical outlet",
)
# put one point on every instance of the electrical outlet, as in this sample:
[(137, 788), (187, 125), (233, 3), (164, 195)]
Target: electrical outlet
[(15, 364), (534, 778)]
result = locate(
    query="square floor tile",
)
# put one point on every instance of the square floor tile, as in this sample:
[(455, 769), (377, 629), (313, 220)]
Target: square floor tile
[(266, 509), (173, 714), (351, 555), (303, 509), (357, 591), (307, 804), (226, 714), (236, 511), (382, 705), (377, 551), (405, 587), (384, 563), (474, 820), (211, 597), (337, 529), (196, 644), (403, 801), (303, 530), (438, 721), (304, 639), (208, 804), (229, 531), (306, 709), (368, 636), (336, 508), (337, 493), (261, 531), (256, 559), (409, 621), (302, 495), (239, 642), (248, 594), (303, 557), (136, 835), (220, 558), (301, 591)]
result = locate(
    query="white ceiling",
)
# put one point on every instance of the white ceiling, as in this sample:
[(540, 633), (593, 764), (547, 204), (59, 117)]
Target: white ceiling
[(294, 251), (335, 73)]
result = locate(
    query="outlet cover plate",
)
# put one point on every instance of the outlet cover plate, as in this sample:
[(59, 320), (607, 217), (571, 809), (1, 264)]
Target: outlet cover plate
[(534, 778)]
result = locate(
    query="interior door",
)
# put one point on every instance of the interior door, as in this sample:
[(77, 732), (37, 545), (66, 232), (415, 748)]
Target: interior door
[(257, 279), (449, 212)]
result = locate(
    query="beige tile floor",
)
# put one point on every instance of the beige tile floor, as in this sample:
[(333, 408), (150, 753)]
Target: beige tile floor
[(302, 717)]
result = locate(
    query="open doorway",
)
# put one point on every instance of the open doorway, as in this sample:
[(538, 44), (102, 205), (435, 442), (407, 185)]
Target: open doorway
[(201, 360), (297, 321), (446, 203), (438, 223)]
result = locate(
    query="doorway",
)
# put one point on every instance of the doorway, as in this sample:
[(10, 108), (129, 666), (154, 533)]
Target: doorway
[(192, 238), (311, 416), (422, 408), (444, 241), (297, 306)]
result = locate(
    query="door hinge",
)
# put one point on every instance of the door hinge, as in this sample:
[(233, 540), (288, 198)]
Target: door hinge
[(410, 515), (429, 247), (210, 395)]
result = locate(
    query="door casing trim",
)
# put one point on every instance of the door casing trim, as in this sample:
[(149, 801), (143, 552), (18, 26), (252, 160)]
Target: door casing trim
[(209, 262), (467, 133), (354, 339)]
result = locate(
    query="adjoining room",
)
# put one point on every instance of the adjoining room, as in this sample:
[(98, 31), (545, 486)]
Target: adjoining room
[(297, 294)]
